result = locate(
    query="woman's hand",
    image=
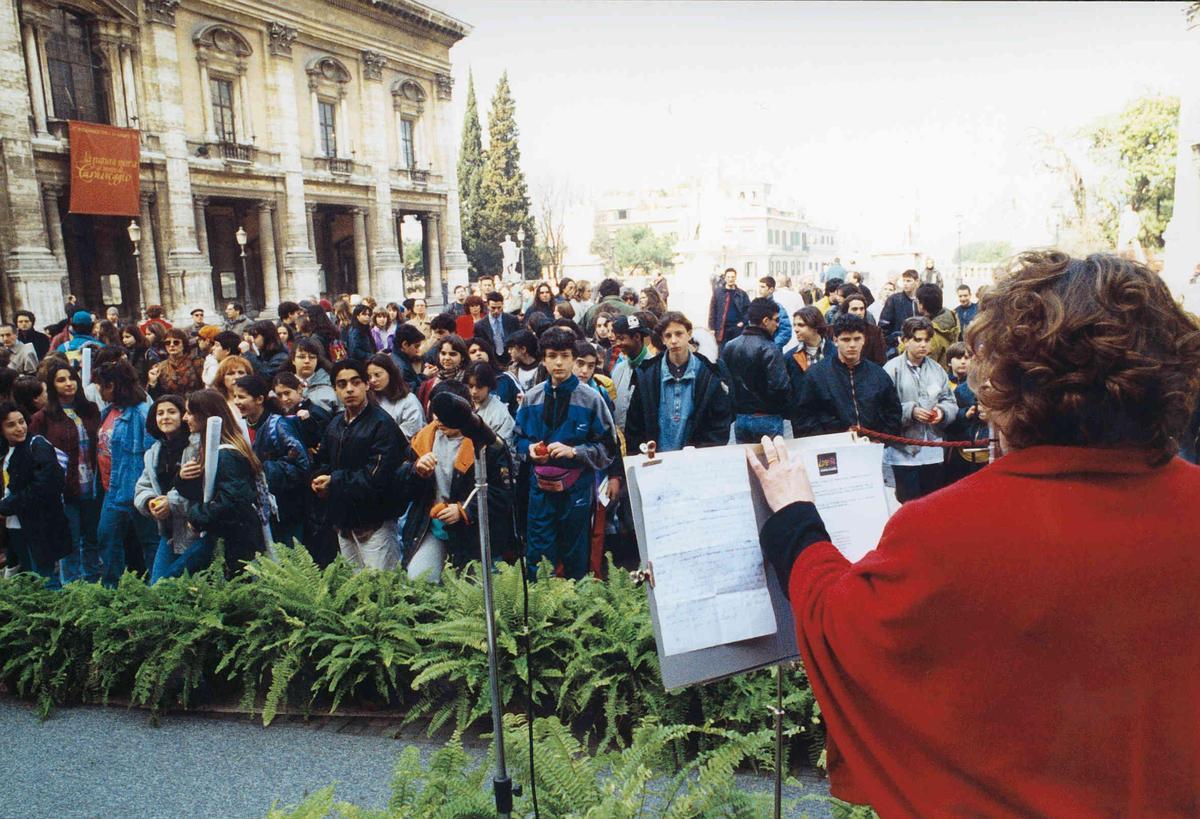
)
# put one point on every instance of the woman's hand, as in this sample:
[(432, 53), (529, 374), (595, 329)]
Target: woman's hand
[(191, 470), (320, 485), (152, 375), (429, 370), (783, 480)]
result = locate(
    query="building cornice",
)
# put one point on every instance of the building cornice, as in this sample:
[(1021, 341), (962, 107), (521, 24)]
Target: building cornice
[(422, 17)]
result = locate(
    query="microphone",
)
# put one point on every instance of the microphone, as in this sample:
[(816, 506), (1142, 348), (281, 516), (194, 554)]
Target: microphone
[(456, 413)]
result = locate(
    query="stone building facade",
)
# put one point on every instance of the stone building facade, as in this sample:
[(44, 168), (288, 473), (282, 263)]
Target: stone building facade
[(310, 129)]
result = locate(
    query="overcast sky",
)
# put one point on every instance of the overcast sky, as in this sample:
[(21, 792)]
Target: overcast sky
[(865, 112)]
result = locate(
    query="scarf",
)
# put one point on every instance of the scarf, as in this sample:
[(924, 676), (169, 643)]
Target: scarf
[(170, 456)]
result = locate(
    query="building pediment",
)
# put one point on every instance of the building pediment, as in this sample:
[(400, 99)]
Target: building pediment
[(222, 39), (328, 68)]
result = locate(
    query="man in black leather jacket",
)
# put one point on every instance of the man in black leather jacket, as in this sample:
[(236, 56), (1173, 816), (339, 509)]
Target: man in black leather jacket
[(356, 473), (758, 376), (847, 390)]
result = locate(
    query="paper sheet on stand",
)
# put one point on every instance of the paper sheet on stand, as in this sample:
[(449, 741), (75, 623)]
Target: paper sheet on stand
[(848, 488), (702, 539)]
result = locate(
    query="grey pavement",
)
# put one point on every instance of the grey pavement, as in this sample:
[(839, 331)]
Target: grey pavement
[(111, 762)]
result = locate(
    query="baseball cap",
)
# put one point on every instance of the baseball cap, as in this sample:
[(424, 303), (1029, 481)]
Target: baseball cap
[(629, 324)]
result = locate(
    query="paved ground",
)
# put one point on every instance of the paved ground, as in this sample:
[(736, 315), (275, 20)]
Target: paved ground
[(110, 762)]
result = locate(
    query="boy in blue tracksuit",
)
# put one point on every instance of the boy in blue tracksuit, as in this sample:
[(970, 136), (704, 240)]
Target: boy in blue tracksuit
[(565, 431)]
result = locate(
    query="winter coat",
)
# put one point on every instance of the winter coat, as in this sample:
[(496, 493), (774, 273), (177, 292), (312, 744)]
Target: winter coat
[(965, 316), (1076, 569), (232, 515), (783, 333), (175, 529), (285, 463), (712, 406), (269, 366), (834, 398), (494, 413), (927, 388), (238, 325), (178, 377), (896, 310), (757, 374), (35, 486), (798, 364), (61, 431), (362, 456), (573, 414), (945, 333), (130, 440), (407, 413), (407, 371), (311, 421), (359, 344), (728, 312), (463, 542), (319, 390)]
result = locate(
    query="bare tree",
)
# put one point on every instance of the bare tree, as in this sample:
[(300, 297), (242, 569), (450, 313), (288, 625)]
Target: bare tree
[(551, 201)]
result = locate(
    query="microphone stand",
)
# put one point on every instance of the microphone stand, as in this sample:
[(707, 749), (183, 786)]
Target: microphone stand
[(502, 785)]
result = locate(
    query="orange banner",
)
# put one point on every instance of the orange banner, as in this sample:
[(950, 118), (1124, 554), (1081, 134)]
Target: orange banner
[(105, 177)]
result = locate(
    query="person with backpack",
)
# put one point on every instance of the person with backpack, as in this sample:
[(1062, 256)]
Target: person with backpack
[(121, 444), (279, 449), (71, 423), (238, 512), (34, 478), (180, 547)]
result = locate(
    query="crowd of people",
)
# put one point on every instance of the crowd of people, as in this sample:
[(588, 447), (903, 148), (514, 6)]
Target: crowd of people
[(342, 422)]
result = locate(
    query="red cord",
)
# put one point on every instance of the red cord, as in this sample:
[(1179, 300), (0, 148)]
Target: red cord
[(896, 439)]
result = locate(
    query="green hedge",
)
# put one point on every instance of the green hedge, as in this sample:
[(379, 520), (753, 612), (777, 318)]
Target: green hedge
[(289, 634)]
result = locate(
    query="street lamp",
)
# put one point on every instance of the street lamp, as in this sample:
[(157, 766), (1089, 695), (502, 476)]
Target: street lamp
[(521, 246), (241, 240), (135, 236)]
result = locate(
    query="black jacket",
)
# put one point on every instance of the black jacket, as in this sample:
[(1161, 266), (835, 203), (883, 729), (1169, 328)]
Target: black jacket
[(463, 543), (36, 483), (834, 398), (895, 310), (712, 406), (312, 428), (362, 457), (796, 372), (726, 310), (232, 514), (757, 374), (360, 344)]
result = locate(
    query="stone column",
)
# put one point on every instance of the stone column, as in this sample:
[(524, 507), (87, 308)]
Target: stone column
[(387, 271), (247, 134), (152, 228), (33, 71), (266, 243), (50, 195), (343, 129), (164, 91), (200, 204), (131, 100), (447, 165), (299, 258), (433, 258), (147, 258), (362, 265), (33, 273), (210, 127), (310, 208)]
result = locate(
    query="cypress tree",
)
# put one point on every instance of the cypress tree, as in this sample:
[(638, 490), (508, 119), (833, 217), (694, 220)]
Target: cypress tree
[(506, 206), (470, 175)]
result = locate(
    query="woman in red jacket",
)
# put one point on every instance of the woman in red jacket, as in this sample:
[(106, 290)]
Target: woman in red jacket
[(1048, 664)]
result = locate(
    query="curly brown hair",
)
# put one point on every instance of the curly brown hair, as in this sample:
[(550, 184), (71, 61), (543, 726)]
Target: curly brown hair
[(1085, 352)]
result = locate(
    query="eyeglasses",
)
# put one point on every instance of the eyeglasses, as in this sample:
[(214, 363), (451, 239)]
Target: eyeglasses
[(175, 343)]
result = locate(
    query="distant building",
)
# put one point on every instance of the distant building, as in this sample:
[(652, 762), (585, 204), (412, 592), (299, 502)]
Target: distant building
[(281, 146), (719, 223)]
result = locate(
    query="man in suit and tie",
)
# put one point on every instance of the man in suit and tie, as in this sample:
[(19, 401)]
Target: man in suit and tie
[(497, 325)]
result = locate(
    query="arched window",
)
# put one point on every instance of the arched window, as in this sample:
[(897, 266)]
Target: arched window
[(78, 76)]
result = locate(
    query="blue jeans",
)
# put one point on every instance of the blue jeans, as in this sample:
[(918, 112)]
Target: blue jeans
[(116, 521), (168, 564), (560, 527), (749, 429), (83, 517)]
